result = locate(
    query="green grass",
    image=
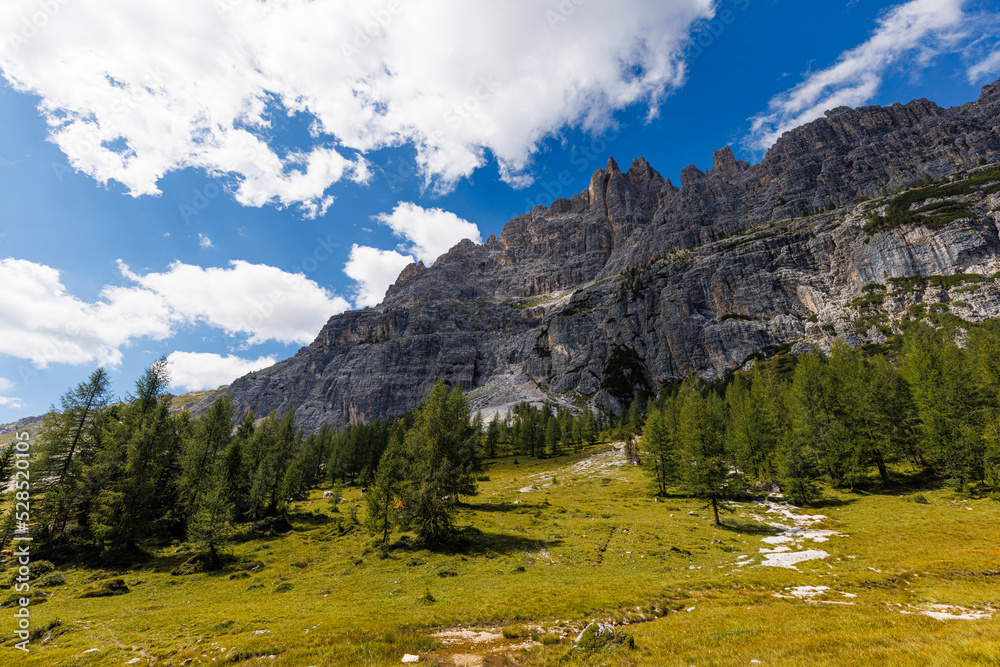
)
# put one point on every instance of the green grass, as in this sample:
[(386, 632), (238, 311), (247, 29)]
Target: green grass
[(543, 563), (900, 209), (182, 401)]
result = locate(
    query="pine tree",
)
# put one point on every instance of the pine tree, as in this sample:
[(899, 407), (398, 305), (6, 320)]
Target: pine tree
[(443, 453), (204, 452), (984, 349), (68, 442), (492, 437), (210, 521), (949, 403), (136, 467), (756, 422), (552, 447), (659, 439), (385, 493), (706, 468), (589, 428)]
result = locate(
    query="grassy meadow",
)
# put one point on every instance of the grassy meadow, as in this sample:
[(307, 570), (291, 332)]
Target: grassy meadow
[(548, 546)]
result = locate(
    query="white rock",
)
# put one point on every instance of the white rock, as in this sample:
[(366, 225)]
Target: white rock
[(411, 658)]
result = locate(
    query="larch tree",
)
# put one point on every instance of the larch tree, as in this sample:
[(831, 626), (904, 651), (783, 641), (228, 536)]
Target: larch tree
[(706, 469)]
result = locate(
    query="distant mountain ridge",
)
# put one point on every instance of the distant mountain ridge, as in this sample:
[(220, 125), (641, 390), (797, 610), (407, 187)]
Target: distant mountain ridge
[(637, 282)]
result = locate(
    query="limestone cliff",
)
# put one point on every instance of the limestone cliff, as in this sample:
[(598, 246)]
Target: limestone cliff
[(636, 282)]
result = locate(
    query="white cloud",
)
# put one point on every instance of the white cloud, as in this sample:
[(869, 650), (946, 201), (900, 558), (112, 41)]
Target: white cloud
[(194, 371), (374, 270), (917, 30), (432, 232), (204, 241), (134, 90), (257, 300), (42, 322), (987, 68), (9, 401), (12, 403)]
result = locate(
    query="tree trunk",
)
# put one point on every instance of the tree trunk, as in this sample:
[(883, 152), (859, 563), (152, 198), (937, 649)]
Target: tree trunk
[(881, 467), (715, 508)]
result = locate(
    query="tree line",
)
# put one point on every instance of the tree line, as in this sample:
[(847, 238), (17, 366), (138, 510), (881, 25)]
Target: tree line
[(541, 432), (930, 404), (108, 475)]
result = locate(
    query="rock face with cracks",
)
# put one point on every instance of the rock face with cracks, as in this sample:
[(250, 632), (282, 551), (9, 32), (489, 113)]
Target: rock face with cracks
[(636, 282)]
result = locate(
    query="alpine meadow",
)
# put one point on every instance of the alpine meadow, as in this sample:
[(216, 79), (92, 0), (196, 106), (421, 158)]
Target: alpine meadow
[(333, 334)]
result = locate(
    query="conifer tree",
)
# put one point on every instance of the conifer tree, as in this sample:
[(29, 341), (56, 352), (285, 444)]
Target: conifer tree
[(69, 441), (136, 467), (706, 469), (492, 437), (443, 452), (387, 490), (552, 446), (659, 440)]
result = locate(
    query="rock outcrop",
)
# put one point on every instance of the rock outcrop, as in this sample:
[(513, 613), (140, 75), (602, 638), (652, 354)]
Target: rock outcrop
[(636, 282)]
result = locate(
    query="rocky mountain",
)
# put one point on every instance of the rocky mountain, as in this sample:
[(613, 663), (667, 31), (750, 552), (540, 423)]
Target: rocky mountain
[(636, 282)]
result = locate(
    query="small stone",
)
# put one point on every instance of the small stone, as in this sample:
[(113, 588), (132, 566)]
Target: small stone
[(411, 658)]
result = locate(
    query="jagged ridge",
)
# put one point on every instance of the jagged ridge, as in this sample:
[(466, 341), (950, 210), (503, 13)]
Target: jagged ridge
[(656, 279)]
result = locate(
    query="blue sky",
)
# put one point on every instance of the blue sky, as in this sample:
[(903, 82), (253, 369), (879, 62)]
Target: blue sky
[(211, 181)]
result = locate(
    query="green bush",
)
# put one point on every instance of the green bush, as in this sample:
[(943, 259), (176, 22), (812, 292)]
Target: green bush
[(51, 579), (108, 588)]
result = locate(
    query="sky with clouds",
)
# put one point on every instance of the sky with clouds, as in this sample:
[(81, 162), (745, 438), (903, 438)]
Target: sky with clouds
[(210, 181)]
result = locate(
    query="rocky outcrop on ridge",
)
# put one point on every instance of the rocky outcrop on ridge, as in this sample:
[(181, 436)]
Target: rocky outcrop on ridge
[(636, 282)]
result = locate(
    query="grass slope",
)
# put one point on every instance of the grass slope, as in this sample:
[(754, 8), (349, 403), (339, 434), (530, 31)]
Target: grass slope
[(541, 558)]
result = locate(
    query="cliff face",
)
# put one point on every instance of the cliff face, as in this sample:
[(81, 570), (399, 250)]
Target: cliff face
[(637, 282)]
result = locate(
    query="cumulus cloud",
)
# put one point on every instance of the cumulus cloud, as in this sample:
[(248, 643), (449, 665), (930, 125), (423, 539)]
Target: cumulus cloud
[(204, 241), (40, 321), (430, 232), (194, 371), (916, 31), (257, 300), (134, 90), (373, 270)]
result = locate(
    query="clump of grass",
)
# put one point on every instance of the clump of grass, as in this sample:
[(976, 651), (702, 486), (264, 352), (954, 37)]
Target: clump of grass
[(51, 579), (106, 589), (598, 637)]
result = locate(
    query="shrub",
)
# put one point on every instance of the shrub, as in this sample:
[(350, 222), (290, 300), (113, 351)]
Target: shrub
[(52, 579), (108, 588), (920, 499)]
